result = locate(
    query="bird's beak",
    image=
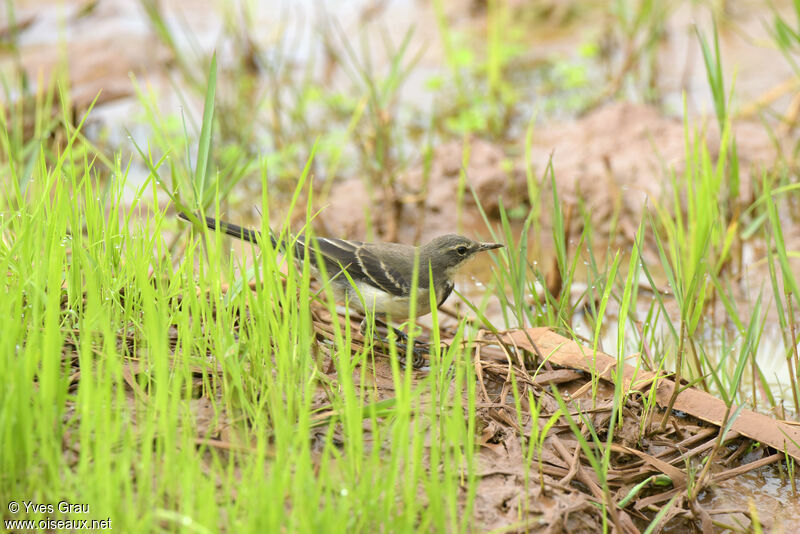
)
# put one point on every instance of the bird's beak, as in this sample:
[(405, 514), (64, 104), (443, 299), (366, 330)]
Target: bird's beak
[(489, 246)]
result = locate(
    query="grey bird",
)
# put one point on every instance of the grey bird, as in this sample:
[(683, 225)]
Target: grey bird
[(381, 272)]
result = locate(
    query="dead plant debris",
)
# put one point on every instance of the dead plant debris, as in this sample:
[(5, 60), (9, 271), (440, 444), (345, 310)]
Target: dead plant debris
[(556, 489)]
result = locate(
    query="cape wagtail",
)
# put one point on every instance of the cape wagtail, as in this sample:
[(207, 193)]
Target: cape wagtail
[(381, 272)]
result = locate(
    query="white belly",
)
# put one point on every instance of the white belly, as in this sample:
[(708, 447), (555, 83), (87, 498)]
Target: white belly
[(383, 303)]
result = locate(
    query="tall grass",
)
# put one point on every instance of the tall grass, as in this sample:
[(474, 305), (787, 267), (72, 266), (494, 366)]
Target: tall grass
[(167, 394)]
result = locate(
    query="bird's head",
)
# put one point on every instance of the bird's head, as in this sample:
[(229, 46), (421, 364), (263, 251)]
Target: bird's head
[(448, 252)]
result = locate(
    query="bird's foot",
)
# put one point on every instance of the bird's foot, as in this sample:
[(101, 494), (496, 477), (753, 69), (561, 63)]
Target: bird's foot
[(418, 355)]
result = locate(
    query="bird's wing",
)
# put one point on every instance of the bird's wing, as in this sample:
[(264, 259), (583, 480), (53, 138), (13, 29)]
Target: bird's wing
[(379, 274), (360, 263), (337, 254)]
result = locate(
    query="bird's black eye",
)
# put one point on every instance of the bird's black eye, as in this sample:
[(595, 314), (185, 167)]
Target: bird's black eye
[(461, 250)]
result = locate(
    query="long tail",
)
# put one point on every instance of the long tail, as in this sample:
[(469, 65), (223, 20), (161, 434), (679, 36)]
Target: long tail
[(233, 230)]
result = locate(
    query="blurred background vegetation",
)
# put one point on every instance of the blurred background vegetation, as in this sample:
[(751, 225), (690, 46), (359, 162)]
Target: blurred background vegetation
[(639, 158)]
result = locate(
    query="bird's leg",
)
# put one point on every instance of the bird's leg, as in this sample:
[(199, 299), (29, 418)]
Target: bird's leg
[(419, 352), (402, 335)]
